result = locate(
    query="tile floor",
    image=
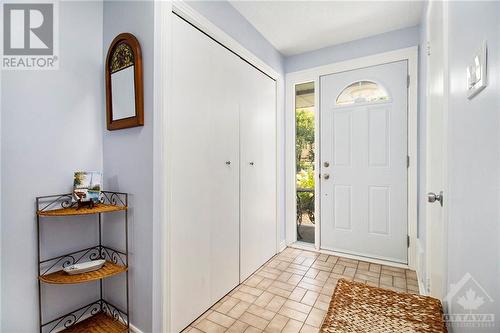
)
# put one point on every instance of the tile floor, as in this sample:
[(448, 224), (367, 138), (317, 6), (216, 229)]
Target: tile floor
[(292, 291)]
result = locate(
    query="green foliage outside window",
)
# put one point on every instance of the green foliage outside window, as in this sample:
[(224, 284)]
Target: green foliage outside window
[(304, 158)]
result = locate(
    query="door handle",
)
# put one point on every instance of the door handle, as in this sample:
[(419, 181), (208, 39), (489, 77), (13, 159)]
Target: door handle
[(228, 162), (433, 197), (326, 176), (252, 163)]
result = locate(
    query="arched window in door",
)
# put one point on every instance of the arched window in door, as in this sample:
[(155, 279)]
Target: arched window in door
[(362, 92)]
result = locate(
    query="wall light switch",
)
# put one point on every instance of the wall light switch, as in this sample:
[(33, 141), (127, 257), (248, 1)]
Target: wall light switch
[(477, 72)]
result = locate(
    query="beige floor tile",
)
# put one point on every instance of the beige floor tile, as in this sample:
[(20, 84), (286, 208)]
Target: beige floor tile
[(251, 329), (276, 303), (221, 319), (254, 320), (310, 298), (250, 290), (237, 327), (386, 280), (253, 281), (261, 312), (293, 326), (294, 279), (284, 276), (264, 284), (309, 329), (297, 294), (227, 305), (315, 317), (292, 292), (244, 297), (283, 285), (279, 291), (208, 326), (304, 308), (264, 299), (323, 302), (311, 273), (292, 314), (277, 324), (399, 282), (238, 310), (363, 265)]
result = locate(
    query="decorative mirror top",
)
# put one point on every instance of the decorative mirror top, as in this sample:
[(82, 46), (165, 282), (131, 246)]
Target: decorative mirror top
[(123, 57)]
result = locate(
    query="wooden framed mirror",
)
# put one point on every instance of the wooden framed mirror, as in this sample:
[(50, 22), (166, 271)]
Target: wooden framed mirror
[(124, 84)]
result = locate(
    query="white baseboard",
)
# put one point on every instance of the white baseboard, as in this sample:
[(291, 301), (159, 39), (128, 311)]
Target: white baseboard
[(419, 268), (134, 329)]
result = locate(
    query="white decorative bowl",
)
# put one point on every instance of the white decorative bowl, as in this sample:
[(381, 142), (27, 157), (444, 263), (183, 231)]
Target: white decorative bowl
[(84, 267)]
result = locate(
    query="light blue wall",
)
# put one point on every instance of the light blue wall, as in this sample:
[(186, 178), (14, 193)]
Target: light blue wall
[(474, 154), (51, 126), (359, 48), (128, 163), (223, 15)]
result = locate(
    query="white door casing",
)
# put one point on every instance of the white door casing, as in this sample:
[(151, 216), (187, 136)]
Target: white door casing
[(436, 148), (364, 200)]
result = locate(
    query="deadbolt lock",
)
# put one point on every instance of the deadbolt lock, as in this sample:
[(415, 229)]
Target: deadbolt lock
[(326, 164)]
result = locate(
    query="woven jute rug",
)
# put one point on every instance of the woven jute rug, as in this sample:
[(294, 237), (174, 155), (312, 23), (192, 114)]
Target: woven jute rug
[(359, 308)]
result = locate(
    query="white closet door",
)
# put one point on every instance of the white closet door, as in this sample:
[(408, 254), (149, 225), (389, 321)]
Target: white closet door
[(258, 170), (204, 198)]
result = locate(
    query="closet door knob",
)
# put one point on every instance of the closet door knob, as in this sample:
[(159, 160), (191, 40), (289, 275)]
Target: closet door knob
[(251, 163), (228, 162)]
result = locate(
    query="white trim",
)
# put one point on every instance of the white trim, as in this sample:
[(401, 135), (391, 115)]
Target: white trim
[(161, 227), (419, 268), (134, 329), (1, 224), (312, 75), (446, 188), (162, 168)]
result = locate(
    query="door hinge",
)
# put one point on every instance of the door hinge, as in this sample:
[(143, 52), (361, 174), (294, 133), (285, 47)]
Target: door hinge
[(408, 240), (407, 161), (408, 81)]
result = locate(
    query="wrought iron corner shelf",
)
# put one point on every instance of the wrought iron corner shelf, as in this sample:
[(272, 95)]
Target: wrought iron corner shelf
[(99, 316)]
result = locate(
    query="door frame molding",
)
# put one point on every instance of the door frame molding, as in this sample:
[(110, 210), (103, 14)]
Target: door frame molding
[(313, 75), (163, 39)]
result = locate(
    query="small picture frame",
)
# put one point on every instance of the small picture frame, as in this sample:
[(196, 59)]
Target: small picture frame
[(87, 187)]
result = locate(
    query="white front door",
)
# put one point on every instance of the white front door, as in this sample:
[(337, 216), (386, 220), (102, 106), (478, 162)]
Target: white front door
[(436, 148), (364, 162)]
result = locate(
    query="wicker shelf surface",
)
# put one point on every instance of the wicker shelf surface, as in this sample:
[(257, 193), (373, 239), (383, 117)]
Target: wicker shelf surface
[(61, 277), (99, 323), (71, 211)]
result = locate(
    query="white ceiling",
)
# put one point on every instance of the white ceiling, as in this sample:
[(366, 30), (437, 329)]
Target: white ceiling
[(295, 27)]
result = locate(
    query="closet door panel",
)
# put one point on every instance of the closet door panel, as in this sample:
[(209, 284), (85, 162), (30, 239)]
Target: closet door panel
[(258, 171), (223, 182), (204, 190)]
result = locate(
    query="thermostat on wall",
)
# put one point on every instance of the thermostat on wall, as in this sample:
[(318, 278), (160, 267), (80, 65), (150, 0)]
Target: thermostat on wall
[(477, 73)]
